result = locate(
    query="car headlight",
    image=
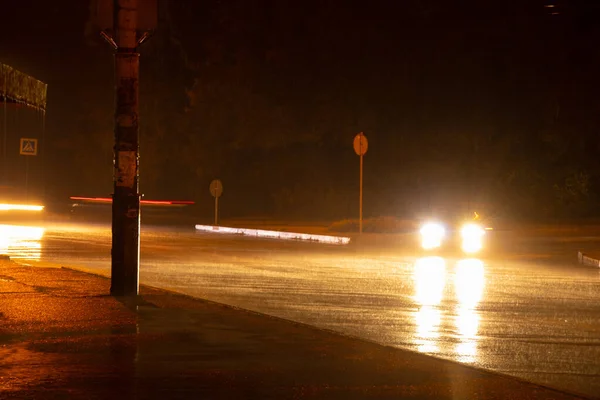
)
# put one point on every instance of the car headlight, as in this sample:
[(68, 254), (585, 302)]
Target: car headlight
[(432, 235), (472, 238)]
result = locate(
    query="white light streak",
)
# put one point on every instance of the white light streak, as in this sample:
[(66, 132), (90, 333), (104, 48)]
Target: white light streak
[(20, 207), (274, 234)]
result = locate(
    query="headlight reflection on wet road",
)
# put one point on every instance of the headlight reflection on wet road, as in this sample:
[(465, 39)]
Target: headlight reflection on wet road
[(430, 276), (469, 281), (430, 279), (21, 241), (537, 319)]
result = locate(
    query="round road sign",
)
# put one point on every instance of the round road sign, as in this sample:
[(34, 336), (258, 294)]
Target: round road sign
[(216, 188), (360, 144)]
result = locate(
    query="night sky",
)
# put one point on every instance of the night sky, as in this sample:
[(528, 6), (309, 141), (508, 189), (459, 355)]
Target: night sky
[(489, 103)]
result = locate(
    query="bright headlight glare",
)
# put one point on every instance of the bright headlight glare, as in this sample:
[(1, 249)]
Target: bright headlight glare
[(432, 235), (472, 238), (472, 231), (432, 229)]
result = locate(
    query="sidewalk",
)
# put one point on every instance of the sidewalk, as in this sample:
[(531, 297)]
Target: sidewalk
[(63, 337)]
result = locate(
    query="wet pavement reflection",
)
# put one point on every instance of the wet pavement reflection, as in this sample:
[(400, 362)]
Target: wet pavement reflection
[(469, 282), (430, 280), (165, 346), (509, 311), (20, 242), (433, 295)]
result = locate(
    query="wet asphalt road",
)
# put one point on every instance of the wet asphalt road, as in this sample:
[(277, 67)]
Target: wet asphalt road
[(524, 308)]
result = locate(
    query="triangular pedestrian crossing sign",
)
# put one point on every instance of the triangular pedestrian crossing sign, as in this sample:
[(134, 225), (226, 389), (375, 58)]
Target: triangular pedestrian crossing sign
[(28, 147)]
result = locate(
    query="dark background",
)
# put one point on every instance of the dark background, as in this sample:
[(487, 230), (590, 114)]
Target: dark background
[(484, 104)]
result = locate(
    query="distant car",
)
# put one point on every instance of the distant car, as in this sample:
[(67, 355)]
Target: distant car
[(468, 234)]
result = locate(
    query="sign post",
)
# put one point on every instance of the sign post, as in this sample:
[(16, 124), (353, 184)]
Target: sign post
[(216, 189), (360, 148), (28, 147)]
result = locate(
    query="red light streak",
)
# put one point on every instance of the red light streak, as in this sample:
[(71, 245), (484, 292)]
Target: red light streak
[(148, 202)]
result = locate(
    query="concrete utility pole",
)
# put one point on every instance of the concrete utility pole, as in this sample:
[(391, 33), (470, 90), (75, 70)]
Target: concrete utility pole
[(126, 196), (124, 19), (4, 131)]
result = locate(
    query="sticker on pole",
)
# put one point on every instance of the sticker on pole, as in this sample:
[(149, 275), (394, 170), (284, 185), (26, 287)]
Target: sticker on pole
[(125, 170), (216, 188), (360, 144), (28, 147)]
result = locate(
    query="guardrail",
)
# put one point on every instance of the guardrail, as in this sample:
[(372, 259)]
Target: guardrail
[(262, 233), (586, 260)]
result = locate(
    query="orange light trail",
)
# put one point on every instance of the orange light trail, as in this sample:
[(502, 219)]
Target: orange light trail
[(20, 207)]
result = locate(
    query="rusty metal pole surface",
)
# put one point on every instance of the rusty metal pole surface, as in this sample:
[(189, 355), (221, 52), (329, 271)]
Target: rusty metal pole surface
[(360, 201), (216, 211), (126, 199)]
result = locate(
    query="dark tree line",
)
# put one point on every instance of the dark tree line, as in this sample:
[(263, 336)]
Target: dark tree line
[(486, 105)]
